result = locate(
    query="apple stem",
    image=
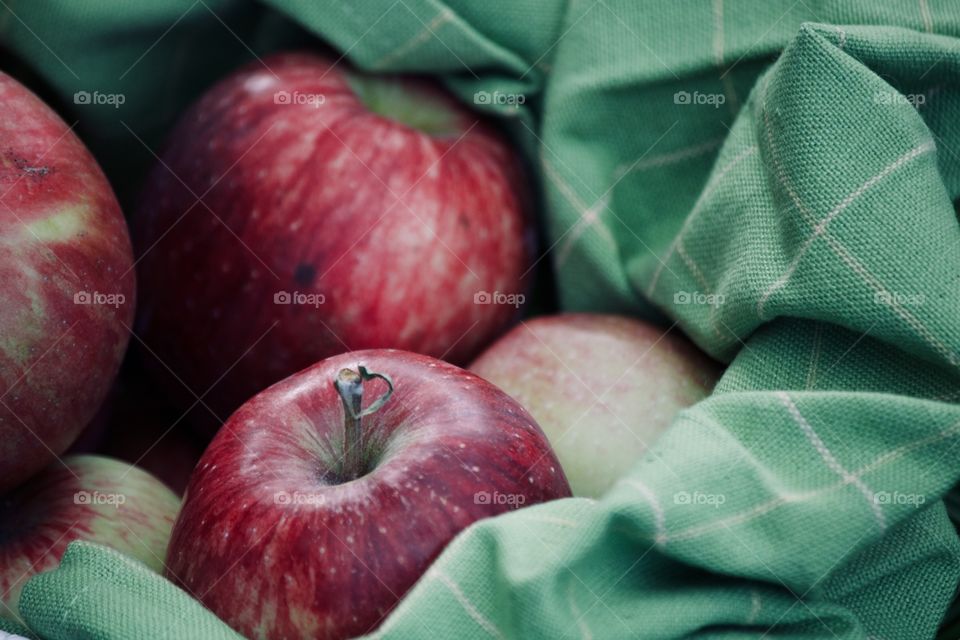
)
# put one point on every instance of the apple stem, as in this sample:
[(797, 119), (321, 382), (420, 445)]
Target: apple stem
[(349, 385)]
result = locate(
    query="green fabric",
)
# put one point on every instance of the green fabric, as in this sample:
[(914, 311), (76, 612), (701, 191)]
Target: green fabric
[(802, 228), (100, 593), (13, 627)]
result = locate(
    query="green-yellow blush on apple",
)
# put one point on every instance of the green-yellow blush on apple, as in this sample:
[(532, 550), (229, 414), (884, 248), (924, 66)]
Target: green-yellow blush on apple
[(602, 387)]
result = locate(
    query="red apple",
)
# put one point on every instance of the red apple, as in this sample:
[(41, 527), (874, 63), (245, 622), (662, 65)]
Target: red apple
[(82, 498), (602, 387), (299, 197), (288, 533), (66, 282)]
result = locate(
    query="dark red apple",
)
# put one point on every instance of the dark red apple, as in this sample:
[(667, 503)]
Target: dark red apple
[(66, 285), (298, 198), (286, 532), (81, 498)]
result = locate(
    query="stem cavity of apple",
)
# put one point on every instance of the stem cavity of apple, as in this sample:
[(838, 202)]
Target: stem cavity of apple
[(349, 385)]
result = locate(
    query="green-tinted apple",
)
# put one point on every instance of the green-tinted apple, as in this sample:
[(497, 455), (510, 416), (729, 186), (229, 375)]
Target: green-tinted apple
[(82, 498), (601, 387)]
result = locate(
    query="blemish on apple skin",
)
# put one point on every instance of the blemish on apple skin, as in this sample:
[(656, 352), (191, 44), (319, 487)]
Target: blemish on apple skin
[(304, 274), (24, 166)]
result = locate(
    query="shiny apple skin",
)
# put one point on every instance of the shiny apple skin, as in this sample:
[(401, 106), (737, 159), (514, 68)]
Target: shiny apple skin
[(602, 387), (61, 234), (334, 567), (41, 517), (397, 229)]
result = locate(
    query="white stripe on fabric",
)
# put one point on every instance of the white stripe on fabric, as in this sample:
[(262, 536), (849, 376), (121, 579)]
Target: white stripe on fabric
[(831, 461), (471, 610), (821, 226)]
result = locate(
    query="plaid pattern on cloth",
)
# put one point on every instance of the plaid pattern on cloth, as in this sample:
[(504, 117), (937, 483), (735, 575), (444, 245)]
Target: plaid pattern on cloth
[(775, 179)]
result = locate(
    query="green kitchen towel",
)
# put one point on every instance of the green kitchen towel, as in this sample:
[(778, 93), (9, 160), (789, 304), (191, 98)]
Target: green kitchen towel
[(101, 593), (777, 180), (15, 629)]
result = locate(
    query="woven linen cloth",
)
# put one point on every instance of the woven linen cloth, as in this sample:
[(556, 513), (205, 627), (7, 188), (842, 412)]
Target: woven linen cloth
[(775, 179)]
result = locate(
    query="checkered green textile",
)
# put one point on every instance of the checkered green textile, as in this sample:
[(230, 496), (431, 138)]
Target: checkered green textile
[(775, 179)]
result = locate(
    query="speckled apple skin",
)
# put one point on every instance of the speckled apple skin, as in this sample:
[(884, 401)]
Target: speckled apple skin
[(41, 517), (61, 233), (396, 228), (334, 564), (603, 388)]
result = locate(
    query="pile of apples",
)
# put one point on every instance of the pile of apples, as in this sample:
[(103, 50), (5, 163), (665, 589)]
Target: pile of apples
[(316, 254)]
